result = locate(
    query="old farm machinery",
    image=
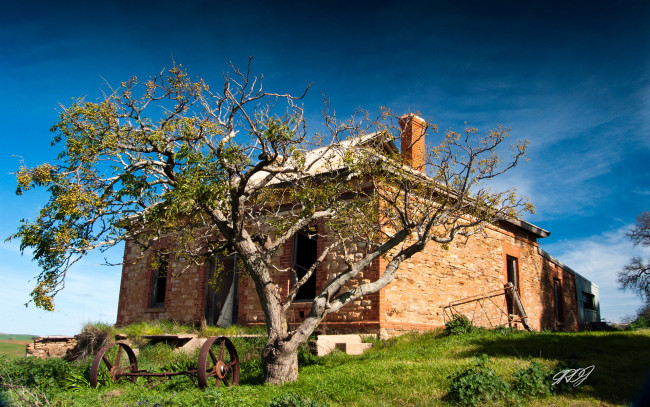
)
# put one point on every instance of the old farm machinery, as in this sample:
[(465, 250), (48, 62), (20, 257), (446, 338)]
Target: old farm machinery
[(218, 363), (490, 309)]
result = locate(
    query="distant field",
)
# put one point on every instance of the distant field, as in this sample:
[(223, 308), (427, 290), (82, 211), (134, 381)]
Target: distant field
[(14, 345), (8, 337), (13, 348)]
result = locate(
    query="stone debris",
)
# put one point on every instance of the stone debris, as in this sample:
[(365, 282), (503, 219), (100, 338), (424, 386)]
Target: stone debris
[(350, 344), (50, 346)]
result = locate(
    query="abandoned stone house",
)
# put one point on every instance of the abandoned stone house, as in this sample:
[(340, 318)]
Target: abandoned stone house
[(468, 277)]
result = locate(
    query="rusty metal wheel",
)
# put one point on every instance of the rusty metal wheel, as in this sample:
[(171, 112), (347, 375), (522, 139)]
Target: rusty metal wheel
[(218, 361), (118, 359)]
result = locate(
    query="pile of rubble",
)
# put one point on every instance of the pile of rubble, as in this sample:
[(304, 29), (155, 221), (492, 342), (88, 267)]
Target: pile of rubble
[(50, 346)]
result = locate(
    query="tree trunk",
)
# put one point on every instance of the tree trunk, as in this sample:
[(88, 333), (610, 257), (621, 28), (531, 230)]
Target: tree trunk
[(280, 364)]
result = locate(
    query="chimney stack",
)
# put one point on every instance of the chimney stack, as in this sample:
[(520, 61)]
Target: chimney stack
[(412, 135)]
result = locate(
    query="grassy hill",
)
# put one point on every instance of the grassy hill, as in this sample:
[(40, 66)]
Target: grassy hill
[(14, 345), (15, 337), (413, 370)]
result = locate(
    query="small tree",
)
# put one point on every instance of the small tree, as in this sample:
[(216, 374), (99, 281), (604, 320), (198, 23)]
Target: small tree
[(635, 276), (235, 170)]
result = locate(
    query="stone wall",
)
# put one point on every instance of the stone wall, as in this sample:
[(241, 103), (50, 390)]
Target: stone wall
[(423, 286), (50, 346), (432, 279), (362, 314), (184, 294)]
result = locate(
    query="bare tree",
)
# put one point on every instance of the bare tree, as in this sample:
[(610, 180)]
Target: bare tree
[(635, 275), (235, 169)]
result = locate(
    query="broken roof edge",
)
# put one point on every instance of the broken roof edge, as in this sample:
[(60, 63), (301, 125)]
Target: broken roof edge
[(387, 142), (529, 227)]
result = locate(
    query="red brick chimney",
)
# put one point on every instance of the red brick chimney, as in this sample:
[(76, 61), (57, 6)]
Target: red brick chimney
[(413, 129)]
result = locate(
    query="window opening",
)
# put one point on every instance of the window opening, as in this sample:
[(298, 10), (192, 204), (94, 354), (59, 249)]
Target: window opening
[(590, 301), (512, 271), (161, 267), (222, 302), (557, 294), (305, 254)]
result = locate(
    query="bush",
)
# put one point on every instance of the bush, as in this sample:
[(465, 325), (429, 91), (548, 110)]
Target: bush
[(160, 357), (640, 323), (292, 400), (305, 357), (91, 338), (506, 331), (563, 386), (31, 381), (477, 384), (459, 324), (535, 381), (38, 373)]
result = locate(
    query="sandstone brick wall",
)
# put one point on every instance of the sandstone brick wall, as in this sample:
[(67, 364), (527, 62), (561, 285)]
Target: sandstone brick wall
[(569, 306), (430, 280), (184, 294), (423, 285), (362, 314)]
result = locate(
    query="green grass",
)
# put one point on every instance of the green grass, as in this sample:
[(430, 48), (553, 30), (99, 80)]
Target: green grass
[(14, 345), (412, 370), (12, 349), (134, 331), (9, 337)]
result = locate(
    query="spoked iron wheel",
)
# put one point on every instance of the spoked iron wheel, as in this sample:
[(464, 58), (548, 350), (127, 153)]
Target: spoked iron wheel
[(218, 361), (116, 358)]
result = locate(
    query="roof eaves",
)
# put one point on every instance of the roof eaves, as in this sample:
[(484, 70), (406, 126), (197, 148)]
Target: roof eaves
[(528, 227)]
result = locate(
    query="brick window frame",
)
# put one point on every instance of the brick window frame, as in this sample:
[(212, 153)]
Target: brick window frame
[(512, 252), (558, 301), (302, 295), (159, 279), (150, 303), (590, 301)]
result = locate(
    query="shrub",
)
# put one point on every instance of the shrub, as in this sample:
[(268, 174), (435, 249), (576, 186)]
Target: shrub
[(535, 381), (477, 384), (305, 357), (563, 386), (77, 380), (251, 371), (459, 324), (91, 338), (32, 381), (292, 400), (160, 356), (38, 373), (159, 401), (506, 331), (640, 322)]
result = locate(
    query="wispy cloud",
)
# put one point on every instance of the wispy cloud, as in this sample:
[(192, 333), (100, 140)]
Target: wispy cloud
[(599, 258), (90, 295)]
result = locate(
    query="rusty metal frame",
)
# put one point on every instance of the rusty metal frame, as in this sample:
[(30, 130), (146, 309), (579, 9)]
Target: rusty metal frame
[(211, 365), (449, 311)]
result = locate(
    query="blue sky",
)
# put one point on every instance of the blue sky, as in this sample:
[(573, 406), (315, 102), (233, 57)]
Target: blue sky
[(571, 77)]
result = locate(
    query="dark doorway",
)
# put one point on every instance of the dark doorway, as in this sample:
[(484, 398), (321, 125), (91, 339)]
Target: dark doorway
[(159, 285), (512, 270), (221, 301), (305, 253), (559, 300)]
